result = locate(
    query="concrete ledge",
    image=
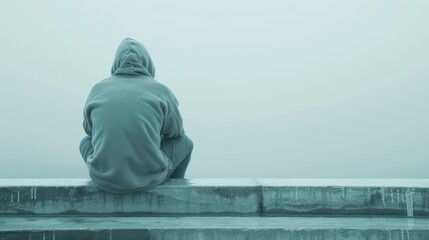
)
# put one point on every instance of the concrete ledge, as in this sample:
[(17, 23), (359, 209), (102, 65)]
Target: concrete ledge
[(220, 197), (178, 228), (401, 197), (175, 197)]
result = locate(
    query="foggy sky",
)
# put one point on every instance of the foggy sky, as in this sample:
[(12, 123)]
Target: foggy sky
[(266, 88)]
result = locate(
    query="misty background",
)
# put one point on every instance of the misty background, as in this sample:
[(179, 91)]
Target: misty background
[(266, 88)]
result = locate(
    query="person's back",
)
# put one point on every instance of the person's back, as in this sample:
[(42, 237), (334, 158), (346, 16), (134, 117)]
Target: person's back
[(133, 125)]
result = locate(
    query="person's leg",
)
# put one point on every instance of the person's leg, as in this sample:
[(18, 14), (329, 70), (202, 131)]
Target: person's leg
[(180, 170), (85, 147), (179, 151)]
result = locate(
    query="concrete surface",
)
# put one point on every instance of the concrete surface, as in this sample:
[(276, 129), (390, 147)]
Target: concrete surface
[(77, 196), (220, 197), (237, 228), (403, 197)]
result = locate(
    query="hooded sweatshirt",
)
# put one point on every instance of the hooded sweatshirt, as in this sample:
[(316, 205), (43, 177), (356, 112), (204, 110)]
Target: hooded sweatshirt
[(127, 115)]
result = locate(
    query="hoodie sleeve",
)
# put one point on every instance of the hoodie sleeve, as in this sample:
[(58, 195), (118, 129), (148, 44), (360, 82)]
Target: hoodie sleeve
[(87, 124), (173, 124)]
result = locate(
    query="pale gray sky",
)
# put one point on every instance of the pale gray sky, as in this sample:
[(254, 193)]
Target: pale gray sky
[(266, 88)]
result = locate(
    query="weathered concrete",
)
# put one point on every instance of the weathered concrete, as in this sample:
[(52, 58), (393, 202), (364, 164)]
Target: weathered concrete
[(237, 228), (220, 197), (403, 197), (175, 197)]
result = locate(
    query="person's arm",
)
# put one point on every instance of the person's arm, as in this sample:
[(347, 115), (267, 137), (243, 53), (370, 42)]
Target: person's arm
[(85, 146), (173, 124), (87, 124)]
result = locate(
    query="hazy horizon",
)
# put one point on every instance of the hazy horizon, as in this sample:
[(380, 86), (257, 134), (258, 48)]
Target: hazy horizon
[(266, 89)]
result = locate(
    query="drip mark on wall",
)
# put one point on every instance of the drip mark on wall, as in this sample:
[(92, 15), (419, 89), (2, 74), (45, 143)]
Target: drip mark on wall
[(382, 196), (33, 193), (397, 195), (409, 202)]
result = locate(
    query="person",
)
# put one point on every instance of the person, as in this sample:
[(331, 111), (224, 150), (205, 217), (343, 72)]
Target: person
[(135, 137)]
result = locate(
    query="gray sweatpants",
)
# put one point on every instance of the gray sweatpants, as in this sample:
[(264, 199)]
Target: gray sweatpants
[(178, 150)]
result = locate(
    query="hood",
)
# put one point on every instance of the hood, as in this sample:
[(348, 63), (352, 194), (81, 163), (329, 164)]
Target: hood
[(132, 58)]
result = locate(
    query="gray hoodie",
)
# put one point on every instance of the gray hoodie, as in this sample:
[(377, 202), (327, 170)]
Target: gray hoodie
[(127, 115)]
